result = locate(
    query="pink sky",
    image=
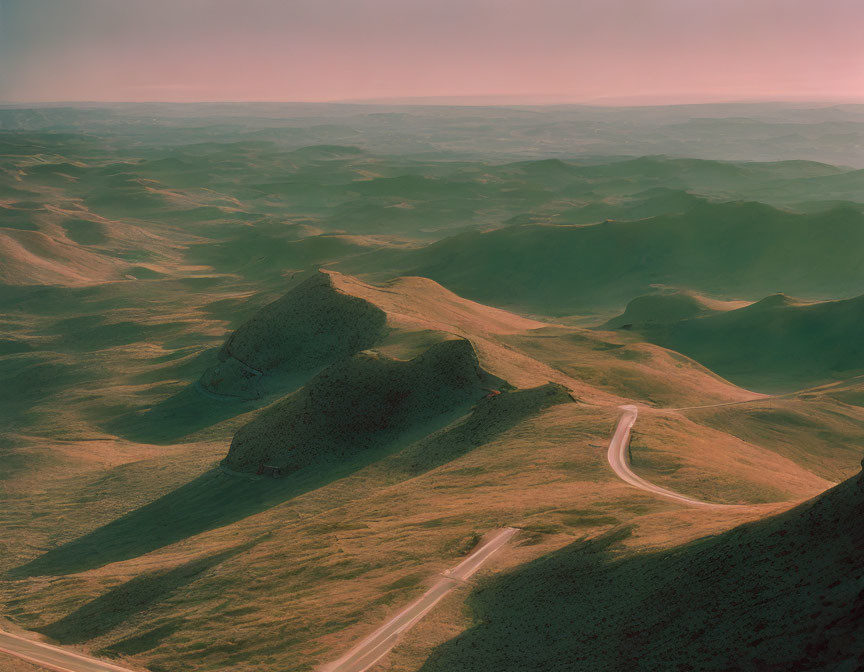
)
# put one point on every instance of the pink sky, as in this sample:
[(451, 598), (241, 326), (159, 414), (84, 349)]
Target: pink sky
[(548, 50)]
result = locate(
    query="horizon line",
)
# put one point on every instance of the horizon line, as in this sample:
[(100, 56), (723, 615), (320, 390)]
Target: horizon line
[(455, 101)]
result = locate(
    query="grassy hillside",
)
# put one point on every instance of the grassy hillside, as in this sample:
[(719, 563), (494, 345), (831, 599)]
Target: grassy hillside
[(776, 344), (312, 561), (310, 327), (783, 593), (730, 250), (667, 308), (360, 404), (162, 308)]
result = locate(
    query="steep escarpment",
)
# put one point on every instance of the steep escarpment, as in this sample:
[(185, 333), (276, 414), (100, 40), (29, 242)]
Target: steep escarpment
[(312, 326), (360, 403)]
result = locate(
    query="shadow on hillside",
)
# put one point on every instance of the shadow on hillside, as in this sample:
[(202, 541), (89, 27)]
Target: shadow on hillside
[(216, 499), (491, 418), (213, 499), (780, 593), (30, 379), (183, 414), (121, 603), (143, 642), (194, 409), (558, 591)]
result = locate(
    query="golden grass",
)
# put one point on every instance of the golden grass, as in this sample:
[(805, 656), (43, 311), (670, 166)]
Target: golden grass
[(304, 574)]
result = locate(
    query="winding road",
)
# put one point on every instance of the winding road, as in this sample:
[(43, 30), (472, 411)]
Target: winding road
[(374, 647), (619, 460), (52, 657)]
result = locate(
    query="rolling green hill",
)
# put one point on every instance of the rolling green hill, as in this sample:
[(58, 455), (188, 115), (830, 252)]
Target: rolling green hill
[(775, 344), (732, 250), (171, 320), (662, 309)]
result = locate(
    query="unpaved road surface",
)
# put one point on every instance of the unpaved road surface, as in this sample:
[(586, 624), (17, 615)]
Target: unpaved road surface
[(619, 460), (52, 657), (374, 647)]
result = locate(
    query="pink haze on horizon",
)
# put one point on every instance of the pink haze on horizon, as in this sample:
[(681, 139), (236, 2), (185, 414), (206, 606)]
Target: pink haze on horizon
[(615, 51)]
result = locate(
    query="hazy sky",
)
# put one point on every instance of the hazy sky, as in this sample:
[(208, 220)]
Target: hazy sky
[(567, 50)]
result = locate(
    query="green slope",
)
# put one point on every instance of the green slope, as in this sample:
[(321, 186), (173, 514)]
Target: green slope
[(775, 344), (361, 403), (730, 250), (654, 309)]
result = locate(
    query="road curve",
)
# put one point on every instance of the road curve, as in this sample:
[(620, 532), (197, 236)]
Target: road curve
[(374, 647), (52, 657), (619, 460)]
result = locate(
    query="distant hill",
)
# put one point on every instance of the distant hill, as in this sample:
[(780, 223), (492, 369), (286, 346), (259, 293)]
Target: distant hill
[(327, 152), (144, 245), (738, 250), (778, 343), (847, 185), (665, 308), (33, 258), (648, 203)]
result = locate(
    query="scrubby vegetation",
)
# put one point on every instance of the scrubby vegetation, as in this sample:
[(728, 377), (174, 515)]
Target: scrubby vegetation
[(395, 312)]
